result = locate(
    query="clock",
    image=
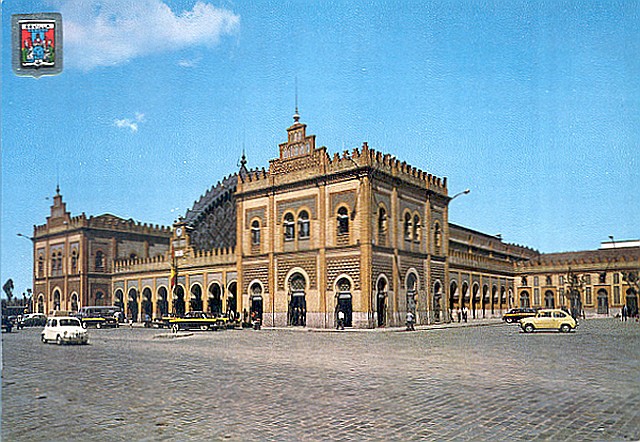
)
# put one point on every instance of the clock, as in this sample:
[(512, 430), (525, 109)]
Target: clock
[(179, 232)]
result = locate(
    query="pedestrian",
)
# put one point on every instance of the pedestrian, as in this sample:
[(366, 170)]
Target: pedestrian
[(625, 312), (459, 314), (465, 313), (340, 320), (410, 321)]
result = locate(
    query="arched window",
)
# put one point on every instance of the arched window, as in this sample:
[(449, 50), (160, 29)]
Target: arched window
[(303, 225), (407, 226), (99, 260), (74, 261), (255, 233), (382, 225), (416, 228), (343, 221), (437, 238), (289, 227)]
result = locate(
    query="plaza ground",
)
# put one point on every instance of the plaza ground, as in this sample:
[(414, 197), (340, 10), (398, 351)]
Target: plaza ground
[(458, 383)]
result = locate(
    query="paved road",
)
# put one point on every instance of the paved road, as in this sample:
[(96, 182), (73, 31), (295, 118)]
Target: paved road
[(472, 383)]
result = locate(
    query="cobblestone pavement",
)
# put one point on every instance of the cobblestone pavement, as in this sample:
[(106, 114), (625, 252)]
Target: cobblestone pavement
[(463, 383)]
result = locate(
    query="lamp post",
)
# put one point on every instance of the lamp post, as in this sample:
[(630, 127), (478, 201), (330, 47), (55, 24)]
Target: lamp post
[(464, 192)]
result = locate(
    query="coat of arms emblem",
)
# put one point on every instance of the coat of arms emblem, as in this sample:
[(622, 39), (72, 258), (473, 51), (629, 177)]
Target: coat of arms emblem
[(37, 44)]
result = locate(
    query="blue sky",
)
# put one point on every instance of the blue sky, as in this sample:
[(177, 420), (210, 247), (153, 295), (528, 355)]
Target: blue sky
[(533, 105)]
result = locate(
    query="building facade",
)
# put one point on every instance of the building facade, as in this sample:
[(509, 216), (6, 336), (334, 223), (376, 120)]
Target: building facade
[(313, 234)]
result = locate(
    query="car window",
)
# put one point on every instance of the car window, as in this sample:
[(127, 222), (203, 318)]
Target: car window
[(54, 322), (559, 315), (71, 322), (545, 314)]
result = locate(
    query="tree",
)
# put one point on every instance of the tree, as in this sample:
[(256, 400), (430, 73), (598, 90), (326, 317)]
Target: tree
[(575, 283)]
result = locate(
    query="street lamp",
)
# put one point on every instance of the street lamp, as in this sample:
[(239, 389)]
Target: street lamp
[(464, 192), (25, 236)]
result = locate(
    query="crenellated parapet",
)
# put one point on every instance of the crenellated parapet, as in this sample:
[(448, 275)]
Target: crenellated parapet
[(194, 258)]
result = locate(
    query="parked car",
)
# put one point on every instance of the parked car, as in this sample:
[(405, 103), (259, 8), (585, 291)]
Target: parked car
[(98, 316), (198, 320), (549, 319), (34, 320), (516, 314), (64, 330)]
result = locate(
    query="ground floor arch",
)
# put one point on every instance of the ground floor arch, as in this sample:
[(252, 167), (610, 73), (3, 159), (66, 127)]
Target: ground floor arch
[(549, 301), (232, 299), (147, 304), (132, 304), (344, 300), (632, 302), (603, 302), (381, 301), (162, 303), (297, 306), (525, 301), (179, 306), (118, 299), (215, 298), (437, 302), (195, 301)]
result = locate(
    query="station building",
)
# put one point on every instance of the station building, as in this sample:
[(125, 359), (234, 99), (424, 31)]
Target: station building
[(311, 234)]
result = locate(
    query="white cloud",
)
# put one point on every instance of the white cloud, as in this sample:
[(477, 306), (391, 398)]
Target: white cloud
[(130, 123), (112, 32)]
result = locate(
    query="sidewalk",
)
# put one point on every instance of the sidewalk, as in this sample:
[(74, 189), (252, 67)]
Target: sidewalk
[(423, 327)]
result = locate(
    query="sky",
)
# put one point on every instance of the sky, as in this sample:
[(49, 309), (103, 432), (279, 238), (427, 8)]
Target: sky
[(533, 105)]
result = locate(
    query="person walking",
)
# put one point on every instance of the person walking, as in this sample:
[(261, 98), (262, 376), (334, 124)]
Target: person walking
[(340, 320), (625, 312), (459, 314), (410, 321), (465, 313)]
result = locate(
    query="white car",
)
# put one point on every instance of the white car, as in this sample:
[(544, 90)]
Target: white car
[(64, 330)]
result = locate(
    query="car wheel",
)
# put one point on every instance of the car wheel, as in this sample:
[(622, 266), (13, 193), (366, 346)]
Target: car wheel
[(44, 341), (508, 320), (58, 340), (175, 328), (204, 327), (98, 325), (529, 328), (565, 328)]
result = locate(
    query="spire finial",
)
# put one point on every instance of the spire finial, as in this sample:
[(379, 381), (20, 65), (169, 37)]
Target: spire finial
[(58, 189), (57, 179), (296, 116)]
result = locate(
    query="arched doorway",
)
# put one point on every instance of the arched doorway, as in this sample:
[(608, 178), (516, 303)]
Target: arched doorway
[(232, 299), (74, 302), (344, 301), (195, 302), (132, 304), (503, 297), (215, 299), (475, 299), (437, 301), (381, 301), (494, 299), (147, 304), (412, 290), (454, 297), (524, 299), (297, 315), (119, 299), (603, 302), (256, 308), (465, 298), (163, 302), (179, 306), (485, 299), (632, 302), (41, 303), (549, 302), (56, 299)]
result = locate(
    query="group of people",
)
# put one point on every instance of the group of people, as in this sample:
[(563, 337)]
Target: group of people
[(298, 316), (462, 314)]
